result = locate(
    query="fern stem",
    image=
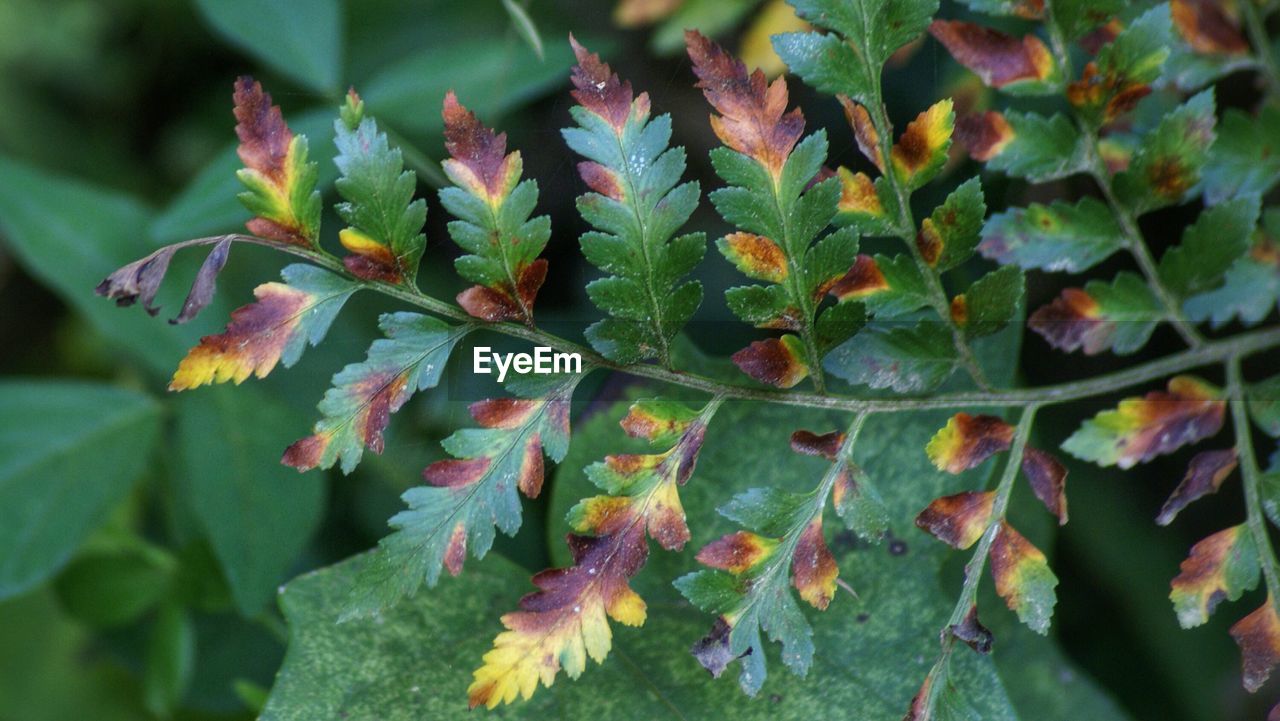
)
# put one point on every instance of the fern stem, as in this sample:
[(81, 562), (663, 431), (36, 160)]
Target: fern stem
[(977, 563), (1210, 353), (1136, 245), (1255, 26), (906, 231), (1251, 478)]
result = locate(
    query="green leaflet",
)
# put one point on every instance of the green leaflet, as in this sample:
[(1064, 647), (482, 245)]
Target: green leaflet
[(1251, 286), (72, 451), (901, 357), (1264, 405), (384, 221), (357, 408), (1245, 157), (1124, 69), (1166, 167), (1210, 246), (637, 206), (1056, 237), (1118, 316), (950, 234), (872, 30), (778, 243), (992, 301), (468, 495), (1041, 149)]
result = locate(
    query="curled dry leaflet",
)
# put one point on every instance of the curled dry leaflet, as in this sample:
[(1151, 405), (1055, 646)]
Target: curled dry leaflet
[(867, 333)]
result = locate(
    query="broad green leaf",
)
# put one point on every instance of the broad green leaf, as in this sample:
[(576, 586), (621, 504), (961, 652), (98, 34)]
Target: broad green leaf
[(949, 235), (47, 674), (302, 39), (992, 301), (170, 660), (70, 453), (1166, 168), (1056, 237), (70, 236), (257, 514), (900, 356), (1210, 246), (1246, 156), (365, 668), (112, 588)]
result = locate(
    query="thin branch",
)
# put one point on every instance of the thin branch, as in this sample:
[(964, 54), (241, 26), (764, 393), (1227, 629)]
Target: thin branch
[(1212, 352), (977, 563), (1255, 26), (906, 231), (1251, 478)]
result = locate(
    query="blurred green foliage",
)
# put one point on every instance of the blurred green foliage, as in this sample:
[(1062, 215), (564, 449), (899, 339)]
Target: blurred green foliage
[(143, 535)]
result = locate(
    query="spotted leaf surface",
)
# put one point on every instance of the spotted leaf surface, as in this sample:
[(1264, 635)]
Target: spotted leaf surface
[(286, 318), (1166, 167), (1122, 72), (1056, 237), (492, 206), (467, 496), (280, 181), (637, 204), (567, 620), (1118, 316), (990, 304), (384, 223), (1220, 567), (1160, 422), (357, 409)]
